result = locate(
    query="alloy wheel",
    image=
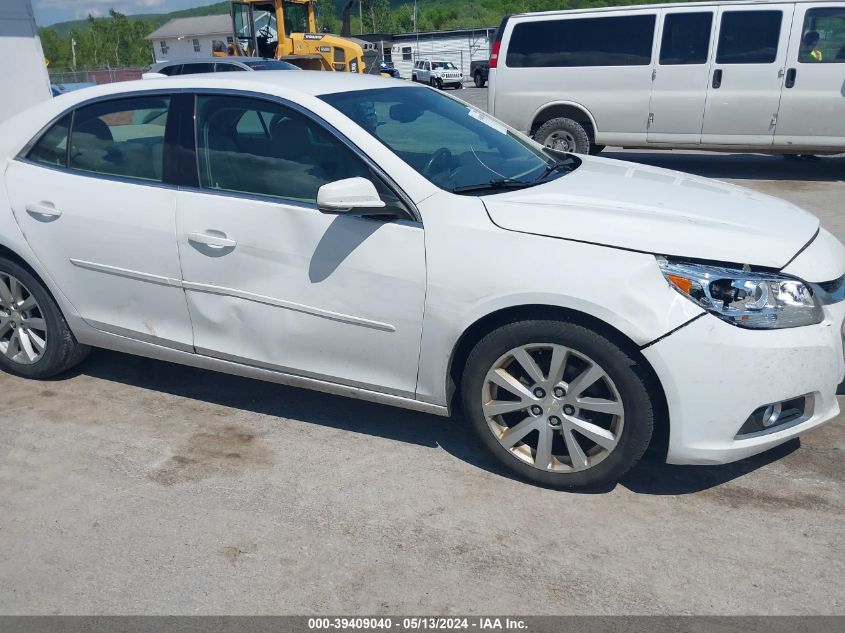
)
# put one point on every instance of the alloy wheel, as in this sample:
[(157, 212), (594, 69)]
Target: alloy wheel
[(23, 329), (552, 407)]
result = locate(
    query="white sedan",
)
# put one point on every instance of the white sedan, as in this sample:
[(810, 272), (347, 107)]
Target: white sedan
[(381, 240)]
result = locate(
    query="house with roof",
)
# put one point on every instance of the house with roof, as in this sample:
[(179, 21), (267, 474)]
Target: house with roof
[(183, 38)]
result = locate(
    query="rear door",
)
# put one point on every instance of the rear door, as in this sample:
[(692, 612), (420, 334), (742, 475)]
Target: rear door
[(743, 96), (100, 218), (681, 75), (812, 107)]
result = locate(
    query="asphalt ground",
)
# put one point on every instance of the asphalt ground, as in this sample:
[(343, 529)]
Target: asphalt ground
[(133, 486)]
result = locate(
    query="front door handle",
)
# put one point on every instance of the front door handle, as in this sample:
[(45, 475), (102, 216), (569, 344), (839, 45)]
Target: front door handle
[(717, 78), (43, 210), (790, 78), (217, 240)]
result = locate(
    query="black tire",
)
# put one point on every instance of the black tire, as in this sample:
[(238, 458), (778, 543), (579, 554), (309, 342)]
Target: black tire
[(569, 128), (414, 78), (479, 80), (62, 351), (628, 375)]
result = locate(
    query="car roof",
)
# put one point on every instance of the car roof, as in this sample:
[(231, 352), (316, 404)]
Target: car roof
[(278, 82)]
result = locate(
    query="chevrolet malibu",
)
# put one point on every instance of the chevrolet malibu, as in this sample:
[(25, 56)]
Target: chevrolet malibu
[(383, 241)]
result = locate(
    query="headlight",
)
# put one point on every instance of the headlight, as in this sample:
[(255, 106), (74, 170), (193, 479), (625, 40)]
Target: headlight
[(760, 301)]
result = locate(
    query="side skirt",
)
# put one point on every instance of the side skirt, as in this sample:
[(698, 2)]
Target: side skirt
[(96, 338)]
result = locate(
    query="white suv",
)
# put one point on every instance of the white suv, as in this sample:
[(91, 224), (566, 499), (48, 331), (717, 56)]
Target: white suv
[(437, 73)]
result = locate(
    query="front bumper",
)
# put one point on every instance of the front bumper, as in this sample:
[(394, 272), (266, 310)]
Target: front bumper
[(715, 375)]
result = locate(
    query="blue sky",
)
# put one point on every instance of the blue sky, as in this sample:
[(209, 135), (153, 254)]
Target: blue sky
[(51, 11)]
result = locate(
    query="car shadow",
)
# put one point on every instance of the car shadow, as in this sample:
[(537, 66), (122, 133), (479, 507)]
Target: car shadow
[(453, 435), (738, 166)]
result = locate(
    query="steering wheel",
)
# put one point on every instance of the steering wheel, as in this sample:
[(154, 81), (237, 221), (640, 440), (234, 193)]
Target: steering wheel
[(442, 155)]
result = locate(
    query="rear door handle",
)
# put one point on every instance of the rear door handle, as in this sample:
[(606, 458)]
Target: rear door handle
[(717, 78), (43, 210), (213, 240), (790, 78)]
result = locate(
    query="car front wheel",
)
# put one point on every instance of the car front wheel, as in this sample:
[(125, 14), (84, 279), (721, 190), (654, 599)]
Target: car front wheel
[(35, 340), (559, 404), (479, 80)]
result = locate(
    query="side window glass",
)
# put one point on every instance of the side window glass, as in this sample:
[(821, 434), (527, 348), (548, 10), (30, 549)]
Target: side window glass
[(686, 38), (823, 36), (51, 148), (124, 137), (173, 70), (749, 37), (193, 69), (608, 41), (252, 146), (226, 68)]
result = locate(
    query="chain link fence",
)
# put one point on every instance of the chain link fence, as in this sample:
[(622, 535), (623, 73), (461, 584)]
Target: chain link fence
[(96, 75)]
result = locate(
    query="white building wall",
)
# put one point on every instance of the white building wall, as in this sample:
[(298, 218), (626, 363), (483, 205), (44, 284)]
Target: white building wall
[(183, 48), (460, 49), (24, 80)]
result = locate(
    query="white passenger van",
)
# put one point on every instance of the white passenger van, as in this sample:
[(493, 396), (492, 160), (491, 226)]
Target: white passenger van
[(761, 76)]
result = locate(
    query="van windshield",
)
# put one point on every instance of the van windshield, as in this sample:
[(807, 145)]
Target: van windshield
[(455, 146)]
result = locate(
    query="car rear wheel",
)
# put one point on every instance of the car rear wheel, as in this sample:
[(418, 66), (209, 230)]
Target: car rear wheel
[(479, 80), (558, 404), (565, 135), (35, 340)]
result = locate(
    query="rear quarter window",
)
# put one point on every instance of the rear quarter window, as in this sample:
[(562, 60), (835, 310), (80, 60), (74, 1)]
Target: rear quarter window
[(51, 148)]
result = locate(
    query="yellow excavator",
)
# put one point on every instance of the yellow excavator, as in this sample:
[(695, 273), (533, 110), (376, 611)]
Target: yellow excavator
[(287, 30)]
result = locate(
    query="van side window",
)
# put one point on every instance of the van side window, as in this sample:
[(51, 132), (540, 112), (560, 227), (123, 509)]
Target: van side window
[(823, 36), (611, 41), (686, 38), (51, 148), (123, 137), (749, 37)]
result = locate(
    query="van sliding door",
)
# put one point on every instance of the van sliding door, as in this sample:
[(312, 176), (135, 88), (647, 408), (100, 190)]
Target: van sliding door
[(746, 77), (681, 74), (812, 105)]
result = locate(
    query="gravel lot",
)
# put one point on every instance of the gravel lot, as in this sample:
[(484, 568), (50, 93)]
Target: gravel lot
[(135, 486)]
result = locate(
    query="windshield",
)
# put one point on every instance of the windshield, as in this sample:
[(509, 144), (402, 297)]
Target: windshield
[(453, 145), (443, 66)]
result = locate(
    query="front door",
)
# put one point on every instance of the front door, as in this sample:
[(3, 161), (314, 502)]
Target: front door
[(100, 220), (681, 74), (270, 280), (746, 78), (812, 107)]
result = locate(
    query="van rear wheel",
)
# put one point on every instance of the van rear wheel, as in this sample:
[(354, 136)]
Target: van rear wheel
[(564, 135)]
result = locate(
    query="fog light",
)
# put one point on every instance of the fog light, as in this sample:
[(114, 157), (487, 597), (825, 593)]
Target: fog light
[(777, 416)]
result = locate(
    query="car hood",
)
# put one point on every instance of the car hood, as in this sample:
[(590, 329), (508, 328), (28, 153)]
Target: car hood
[(626, 205)]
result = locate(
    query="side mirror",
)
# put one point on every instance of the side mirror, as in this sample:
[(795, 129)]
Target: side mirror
[(349, 194)]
